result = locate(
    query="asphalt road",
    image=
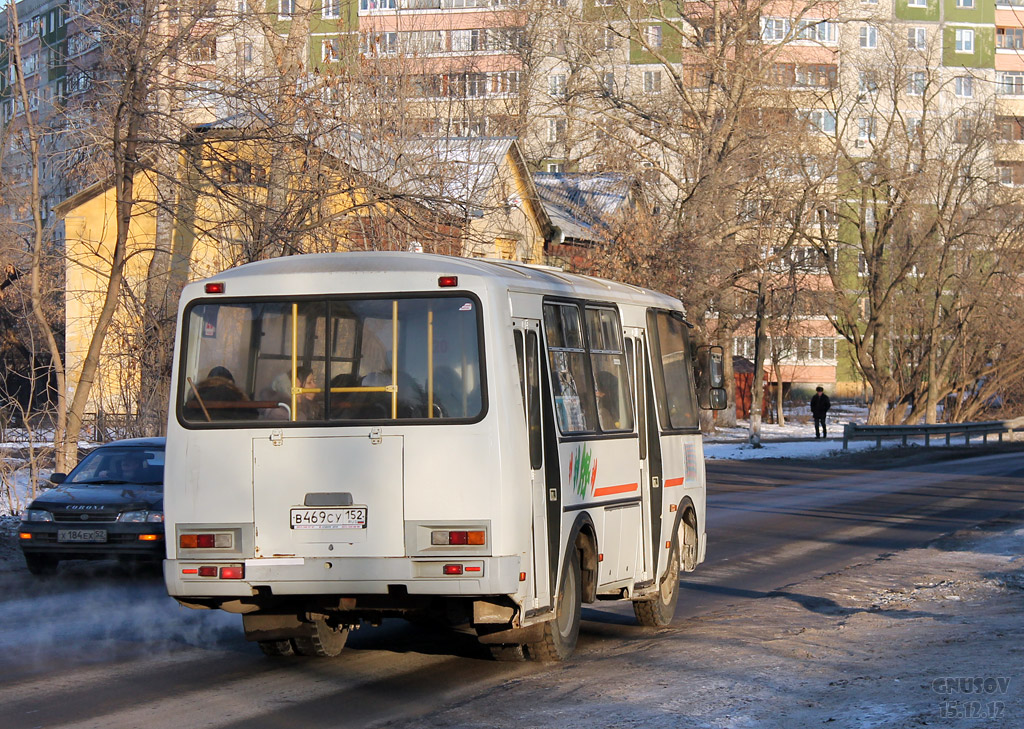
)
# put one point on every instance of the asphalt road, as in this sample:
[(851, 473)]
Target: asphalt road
[(96, 647)]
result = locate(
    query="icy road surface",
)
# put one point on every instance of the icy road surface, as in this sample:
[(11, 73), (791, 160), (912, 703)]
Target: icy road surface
[(793, 621)]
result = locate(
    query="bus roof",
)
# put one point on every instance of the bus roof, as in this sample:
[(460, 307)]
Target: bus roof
[(320, 272)]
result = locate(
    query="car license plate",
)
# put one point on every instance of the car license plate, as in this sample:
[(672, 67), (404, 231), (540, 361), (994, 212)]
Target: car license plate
[(82, 535), (352, 517)]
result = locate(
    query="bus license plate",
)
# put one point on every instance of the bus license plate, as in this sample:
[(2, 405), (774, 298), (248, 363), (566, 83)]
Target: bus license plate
[(82, 535), (353, 517)]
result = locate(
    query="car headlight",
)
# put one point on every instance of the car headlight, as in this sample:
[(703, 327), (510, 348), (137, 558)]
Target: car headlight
[(141, 516), (37, 515)]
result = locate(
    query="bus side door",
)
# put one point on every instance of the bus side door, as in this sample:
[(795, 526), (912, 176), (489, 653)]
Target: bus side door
[(527, 339), (649, 457)]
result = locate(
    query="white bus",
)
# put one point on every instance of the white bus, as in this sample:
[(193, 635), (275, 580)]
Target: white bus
[(355, 436)]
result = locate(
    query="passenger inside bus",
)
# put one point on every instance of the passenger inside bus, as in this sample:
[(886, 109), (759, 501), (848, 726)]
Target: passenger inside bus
[(608, 400), (213, 398)]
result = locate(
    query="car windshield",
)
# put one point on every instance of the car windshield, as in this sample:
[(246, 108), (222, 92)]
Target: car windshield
[(142, 466)]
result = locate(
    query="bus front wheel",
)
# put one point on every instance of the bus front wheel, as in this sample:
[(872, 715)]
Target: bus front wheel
[(560, 634), (658, 611)]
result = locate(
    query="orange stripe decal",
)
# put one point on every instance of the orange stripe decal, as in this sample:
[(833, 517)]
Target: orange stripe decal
[(623, 488), (669, 483)]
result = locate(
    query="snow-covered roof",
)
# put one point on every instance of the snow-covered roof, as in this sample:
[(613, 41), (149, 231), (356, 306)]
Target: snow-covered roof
[(582, 205)]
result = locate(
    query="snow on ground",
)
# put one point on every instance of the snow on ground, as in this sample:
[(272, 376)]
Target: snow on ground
[(925, 637)]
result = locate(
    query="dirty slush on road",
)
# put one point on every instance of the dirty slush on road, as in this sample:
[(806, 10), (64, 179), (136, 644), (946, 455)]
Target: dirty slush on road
[(923, 637)]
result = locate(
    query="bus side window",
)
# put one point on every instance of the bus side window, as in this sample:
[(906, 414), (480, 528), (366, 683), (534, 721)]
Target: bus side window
[(533, 400), (636, 376), (571, 385), (673, 373), (520, 357), (611, 375)]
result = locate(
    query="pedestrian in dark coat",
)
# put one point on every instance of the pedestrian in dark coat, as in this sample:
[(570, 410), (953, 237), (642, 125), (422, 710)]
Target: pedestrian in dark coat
[(820, 405)]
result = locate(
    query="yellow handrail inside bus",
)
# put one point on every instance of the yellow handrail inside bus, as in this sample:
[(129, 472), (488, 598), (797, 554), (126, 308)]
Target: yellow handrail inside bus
[(430, 363)]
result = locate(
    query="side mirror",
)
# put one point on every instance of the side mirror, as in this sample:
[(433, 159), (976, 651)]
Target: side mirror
[(714, 399), (711, 378), (58, 478)]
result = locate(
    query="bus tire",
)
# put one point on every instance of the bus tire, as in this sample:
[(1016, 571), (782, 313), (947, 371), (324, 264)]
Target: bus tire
[(277, 648), (323, 641), (561, 633), (658, 611), (513, 653)]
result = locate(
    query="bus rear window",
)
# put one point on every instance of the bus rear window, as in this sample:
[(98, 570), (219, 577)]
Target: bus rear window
[(331, 361)]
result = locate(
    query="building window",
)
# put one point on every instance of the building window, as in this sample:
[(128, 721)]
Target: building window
[(202, 50), (916, 82), (608, 39), (774, 30), (329, 9), (1010, 83), (865, 129), (821, 31), (1010, 38), (556, 130), (963, 86), (652, 82), (868, 82), (964, 40), (652, 36), (917, 3), (285, 8), (821, 120), (917, 39), (965, 3), (556, 167), (469, 40), (556, 85), (329, 49), (868, 36), (376, 4), (609, 83), (1010, 128)]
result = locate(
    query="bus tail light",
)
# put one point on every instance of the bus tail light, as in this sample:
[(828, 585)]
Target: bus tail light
[(458, 537), (447, 281), (215, 288), (453, 569), (232, 572), (205, 541), (208, 571)]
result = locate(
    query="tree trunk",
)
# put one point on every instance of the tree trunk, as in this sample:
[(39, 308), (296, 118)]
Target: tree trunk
[(757, 396)]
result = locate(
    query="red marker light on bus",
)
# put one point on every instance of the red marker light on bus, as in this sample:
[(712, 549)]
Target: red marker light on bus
[(447, 281), (215, 288), (235, 572), (208, 571), (453, 569)]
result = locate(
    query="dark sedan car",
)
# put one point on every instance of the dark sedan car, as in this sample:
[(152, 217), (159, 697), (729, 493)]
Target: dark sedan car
[(109, 506)]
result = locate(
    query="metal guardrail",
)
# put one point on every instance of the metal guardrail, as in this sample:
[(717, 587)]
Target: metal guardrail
[(853, 431)]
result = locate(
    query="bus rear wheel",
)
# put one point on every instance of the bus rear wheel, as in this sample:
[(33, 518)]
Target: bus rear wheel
[(277, 648), (562, 632), (658, 611), (323, 641)]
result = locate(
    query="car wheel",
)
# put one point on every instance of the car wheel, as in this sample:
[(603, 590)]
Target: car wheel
[(561, 633), (323, 642), (658, 611), (41, 565)]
